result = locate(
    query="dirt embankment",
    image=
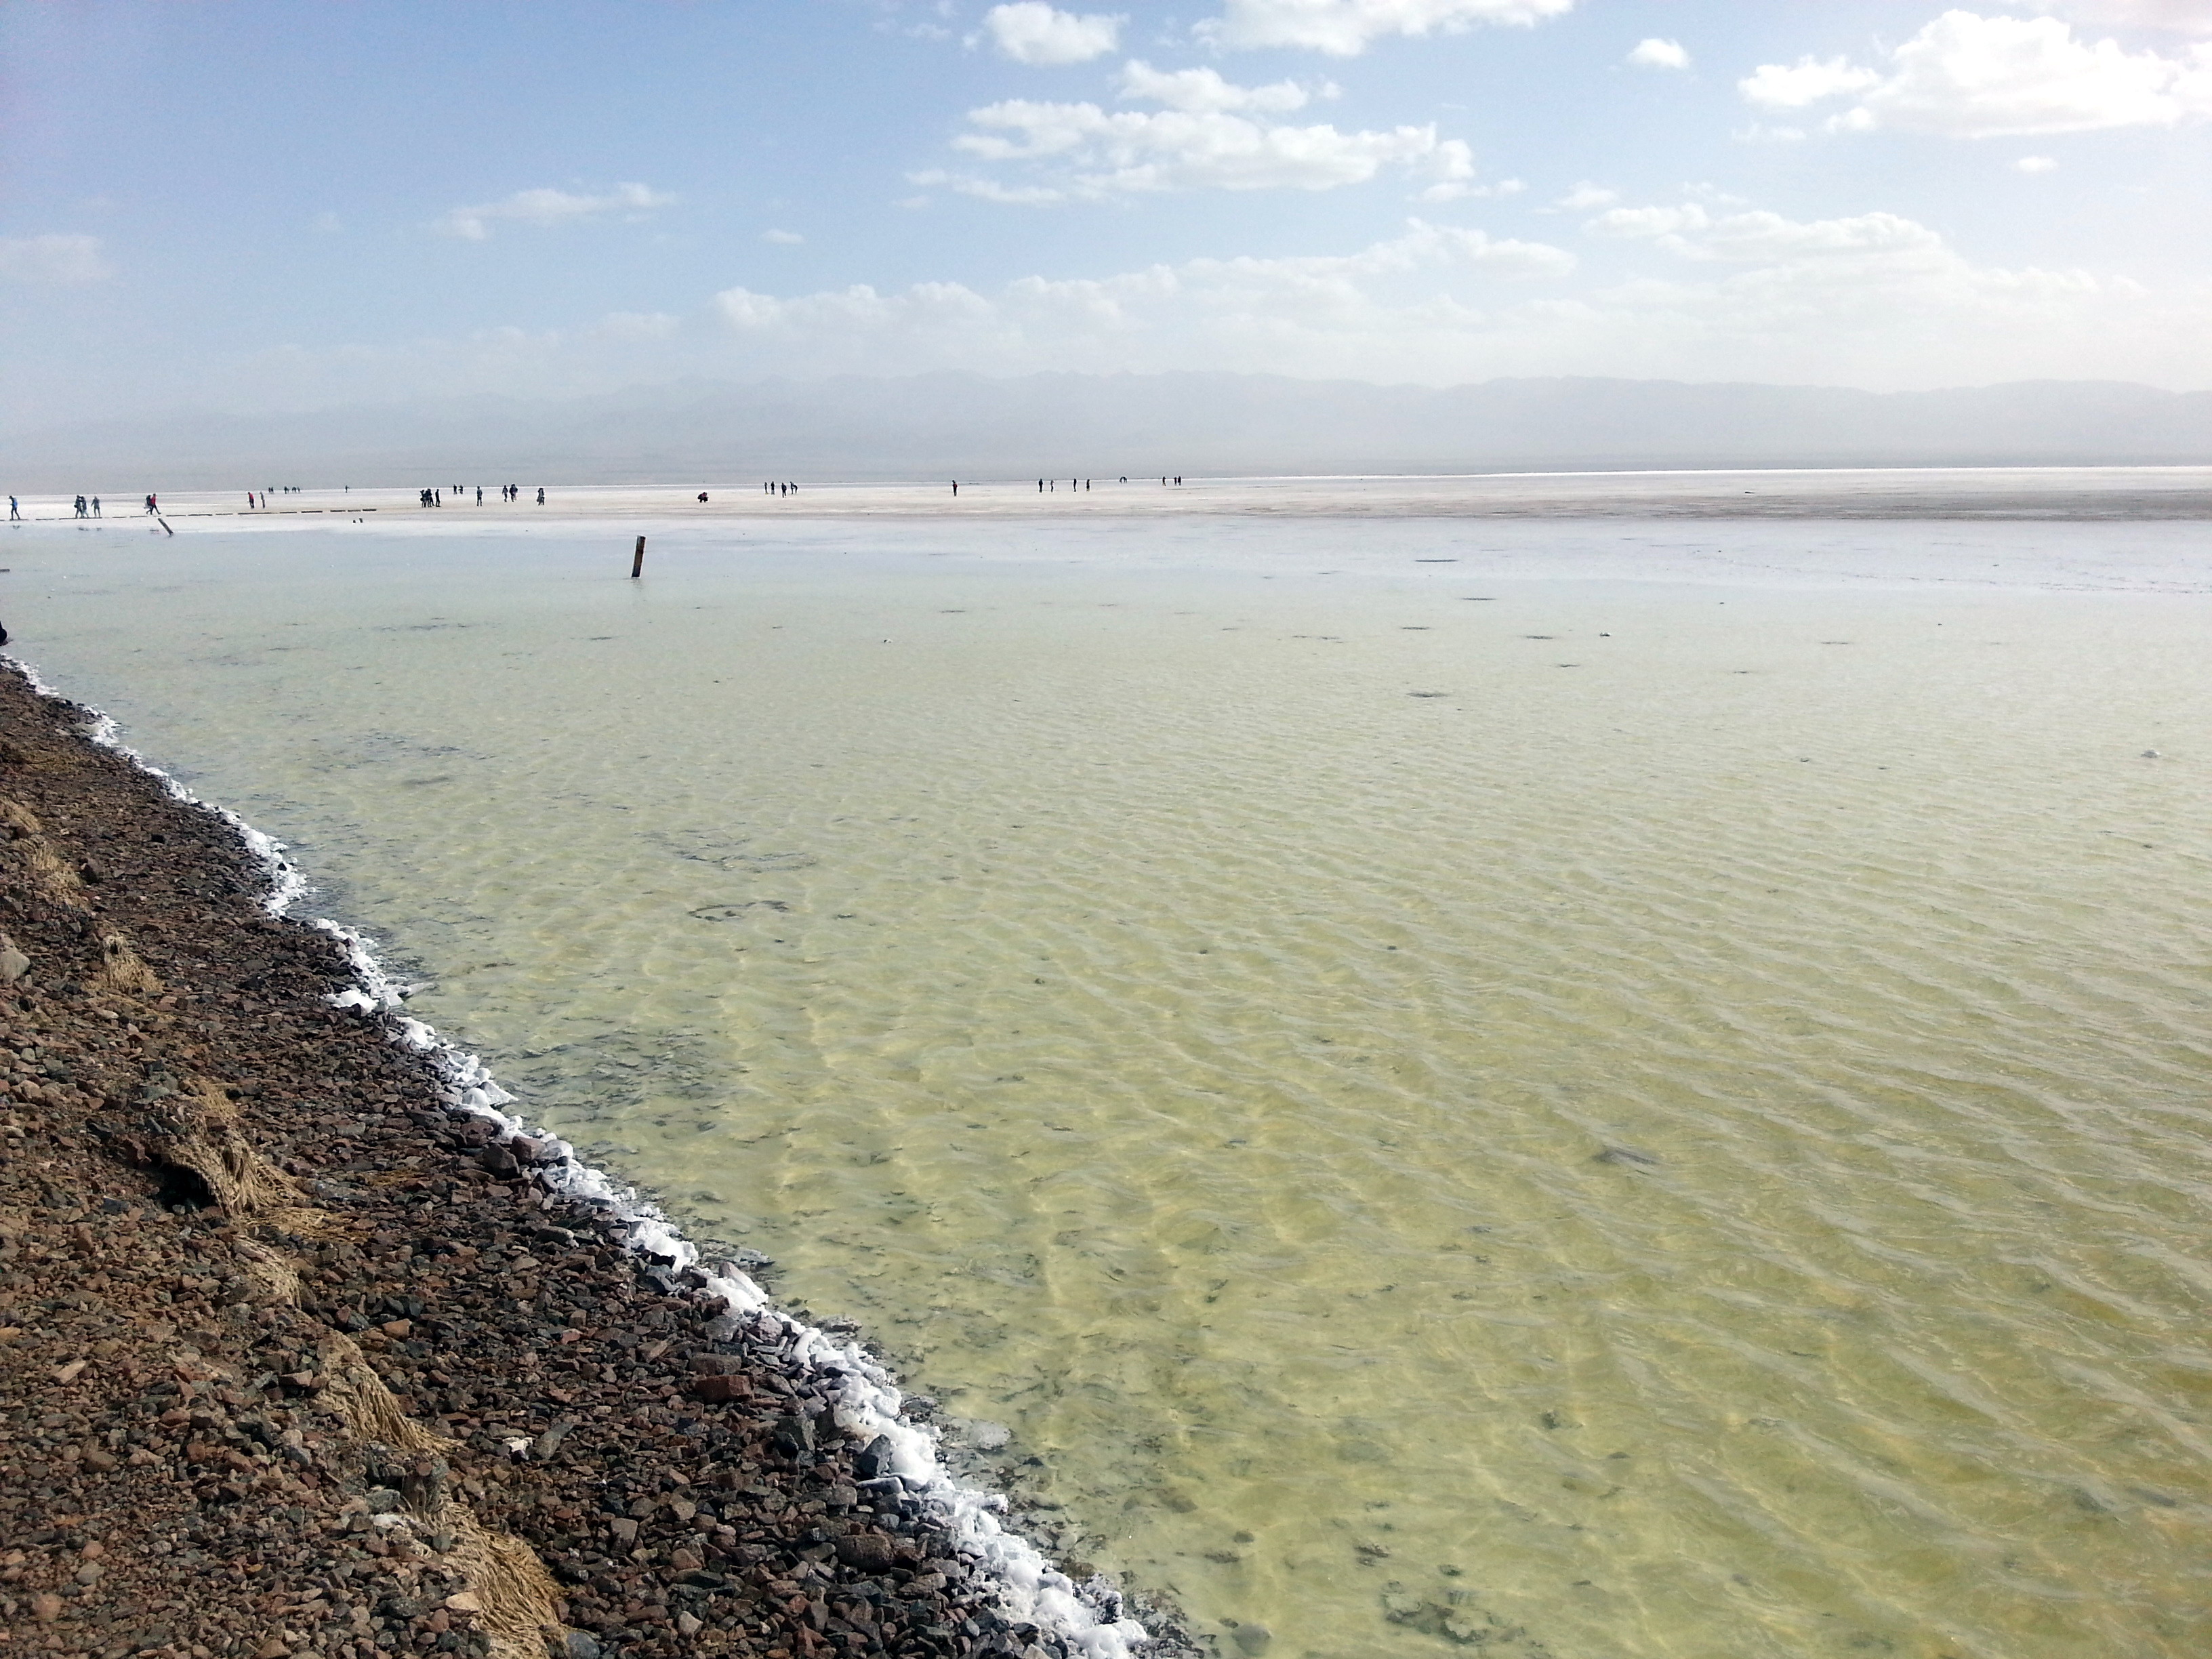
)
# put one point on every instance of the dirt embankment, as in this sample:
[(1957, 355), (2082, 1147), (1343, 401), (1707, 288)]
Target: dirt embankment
[(294, 1362)]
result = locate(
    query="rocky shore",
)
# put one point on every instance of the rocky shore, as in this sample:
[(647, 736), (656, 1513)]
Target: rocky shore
[(298, 1356)]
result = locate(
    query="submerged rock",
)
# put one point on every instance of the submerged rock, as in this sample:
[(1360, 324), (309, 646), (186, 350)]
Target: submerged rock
[(1625, 1155)]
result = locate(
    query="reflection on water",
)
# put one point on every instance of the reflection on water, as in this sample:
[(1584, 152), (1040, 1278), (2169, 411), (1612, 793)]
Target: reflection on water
[(1624, 1119)]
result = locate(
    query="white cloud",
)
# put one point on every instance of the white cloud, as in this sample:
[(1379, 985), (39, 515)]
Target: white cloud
[(1656, 53), (1690, 288), (1587, 195), (1883, 240), (1809, 80), (1453, 163), (638, 325), (1198, 143), (1320, 313), (1345, 27), (984, 190), (1463, 189), (1031, 32), (1205, 89), (550, 207), (2036, 164), (1872, 299), (782, 238), (1969, 76), (2188, 16), (1712, 195), (65, 261)]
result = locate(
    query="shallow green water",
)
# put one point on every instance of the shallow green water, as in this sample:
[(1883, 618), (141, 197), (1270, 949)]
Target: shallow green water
[(1625, 1118)]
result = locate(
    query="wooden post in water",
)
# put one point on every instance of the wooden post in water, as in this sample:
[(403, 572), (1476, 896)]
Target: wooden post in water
[(637, 560)]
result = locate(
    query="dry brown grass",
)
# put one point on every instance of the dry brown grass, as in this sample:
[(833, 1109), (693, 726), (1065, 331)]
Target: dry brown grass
[(247, 1185), (48, 871), (516, 1598), (122, 971)]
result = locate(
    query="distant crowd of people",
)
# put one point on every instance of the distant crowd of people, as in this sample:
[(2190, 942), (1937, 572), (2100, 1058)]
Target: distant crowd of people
[(1050, 486), (82, 508), (89, 506), (434, 496)]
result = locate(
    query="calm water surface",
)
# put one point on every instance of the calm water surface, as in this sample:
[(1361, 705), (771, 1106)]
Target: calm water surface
[(1638, 1093)]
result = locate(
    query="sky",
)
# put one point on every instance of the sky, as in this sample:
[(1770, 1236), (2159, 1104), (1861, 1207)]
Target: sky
[(235, 206)]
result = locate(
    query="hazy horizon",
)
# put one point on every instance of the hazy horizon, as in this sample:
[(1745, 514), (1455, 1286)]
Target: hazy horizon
[(953, 424)]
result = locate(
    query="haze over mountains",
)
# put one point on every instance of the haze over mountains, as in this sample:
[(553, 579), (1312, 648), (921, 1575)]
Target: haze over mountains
[(958, 425)]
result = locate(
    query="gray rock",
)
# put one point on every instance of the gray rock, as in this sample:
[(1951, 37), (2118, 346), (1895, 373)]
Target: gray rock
[(14, 965), (580, 1646), (1253, 1639), (876, 1461)]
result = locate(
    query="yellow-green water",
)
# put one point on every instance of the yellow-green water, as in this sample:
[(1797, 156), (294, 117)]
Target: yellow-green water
[(1690, 1139)]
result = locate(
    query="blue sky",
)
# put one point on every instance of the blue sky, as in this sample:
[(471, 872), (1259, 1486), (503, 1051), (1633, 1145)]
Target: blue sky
[(251, 206)]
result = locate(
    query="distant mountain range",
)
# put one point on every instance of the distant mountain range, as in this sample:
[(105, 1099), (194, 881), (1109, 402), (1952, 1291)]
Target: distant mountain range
[(955, 425)]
